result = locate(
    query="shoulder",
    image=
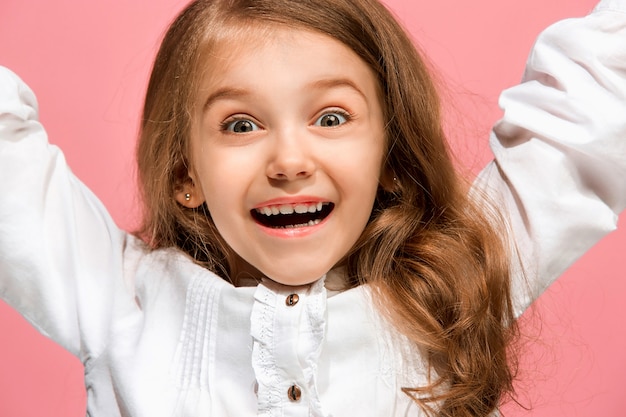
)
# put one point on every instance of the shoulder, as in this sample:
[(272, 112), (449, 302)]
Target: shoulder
[(151, 270)]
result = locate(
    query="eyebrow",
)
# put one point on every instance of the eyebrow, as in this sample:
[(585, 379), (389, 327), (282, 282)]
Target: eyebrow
[(329, 83), (323, 84), (224, 93)]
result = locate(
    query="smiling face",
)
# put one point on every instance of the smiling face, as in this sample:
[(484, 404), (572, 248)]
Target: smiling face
[(287, 151)]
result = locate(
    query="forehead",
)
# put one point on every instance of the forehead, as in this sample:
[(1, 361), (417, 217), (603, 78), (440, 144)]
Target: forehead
[(245, 55)]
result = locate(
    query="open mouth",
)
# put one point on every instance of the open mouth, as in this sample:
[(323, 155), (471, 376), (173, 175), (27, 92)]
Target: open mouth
[(285, 216)]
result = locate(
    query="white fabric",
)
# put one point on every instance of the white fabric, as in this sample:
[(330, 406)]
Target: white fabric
[(160, 336)]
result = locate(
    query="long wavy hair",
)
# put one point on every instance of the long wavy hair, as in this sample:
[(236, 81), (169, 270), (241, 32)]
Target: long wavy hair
[(434, 257)]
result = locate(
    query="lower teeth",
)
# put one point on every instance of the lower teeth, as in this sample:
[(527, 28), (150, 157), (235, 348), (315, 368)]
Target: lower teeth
[(293, 226)]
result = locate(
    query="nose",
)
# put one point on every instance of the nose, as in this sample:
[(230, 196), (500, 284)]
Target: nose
[(291, 157)]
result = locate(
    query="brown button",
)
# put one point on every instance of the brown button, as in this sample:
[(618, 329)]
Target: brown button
[(292, 300), (294, 393)]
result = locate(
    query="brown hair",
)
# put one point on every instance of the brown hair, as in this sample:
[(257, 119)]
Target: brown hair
[(433, 256)]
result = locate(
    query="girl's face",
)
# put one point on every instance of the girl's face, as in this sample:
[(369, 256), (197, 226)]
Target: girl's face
[(287, 150)]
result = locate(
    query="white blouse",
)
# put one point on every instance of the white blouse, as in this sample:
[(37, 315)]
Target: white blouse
[(161, 336)]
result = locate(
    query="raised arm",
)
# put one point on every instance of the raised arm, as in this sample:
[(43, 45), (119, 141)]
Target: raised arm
[(60, 253), (560, 149)]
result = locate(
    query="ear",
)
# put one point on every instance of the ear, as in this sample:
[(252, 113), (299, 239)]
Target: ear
[(188, 195), (388, 180)]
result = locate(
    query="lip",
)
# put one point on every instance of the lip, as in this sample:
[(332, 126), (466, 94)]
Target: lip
[(291, 200), (292, 232)]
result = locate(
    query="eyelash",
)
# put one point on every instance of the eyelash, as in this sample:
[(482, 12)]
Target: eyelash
[(340, 112), (226, 124)]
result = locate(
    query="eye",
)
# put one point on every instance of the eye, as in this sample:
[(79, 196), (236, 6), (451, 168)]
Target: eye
[(332, 119), (239, 126)]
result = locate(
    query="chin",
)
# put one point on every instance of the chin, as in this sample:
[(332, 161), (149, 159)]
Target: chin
[(298, 278)]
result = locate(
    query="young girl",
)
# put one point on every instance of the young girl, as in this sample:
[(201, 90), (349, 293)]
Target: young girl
[(308, 248)]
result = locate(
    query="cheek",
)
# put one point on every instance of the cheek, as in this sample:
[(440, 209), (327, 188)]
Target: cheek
[(216, 185), (219, 193), (360, 182), (226, 188), (221, 210), (364, 166), (212, 171)]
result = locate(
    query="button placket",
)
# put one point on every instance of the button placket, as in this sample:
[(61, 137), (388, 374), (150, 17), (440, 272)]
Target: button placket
[(287, 329)]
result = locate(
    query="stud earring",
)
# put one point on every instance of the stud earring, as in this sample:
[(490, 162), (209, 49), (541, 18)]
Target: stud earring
[(187, 196), (396, 186)]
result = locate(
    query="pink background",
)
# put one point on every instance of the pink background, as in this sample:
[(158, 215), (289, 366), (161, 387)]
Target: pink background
[(88, 63)]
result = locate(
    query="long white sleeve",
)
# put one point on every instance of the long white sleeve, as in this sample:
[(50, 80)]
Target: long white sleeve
[(560, 149), (60, 253)]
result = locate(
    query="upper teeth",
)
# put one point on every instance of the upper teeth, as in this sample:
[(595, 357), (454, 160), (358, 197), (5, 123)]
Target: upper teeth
[(299, 208)]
